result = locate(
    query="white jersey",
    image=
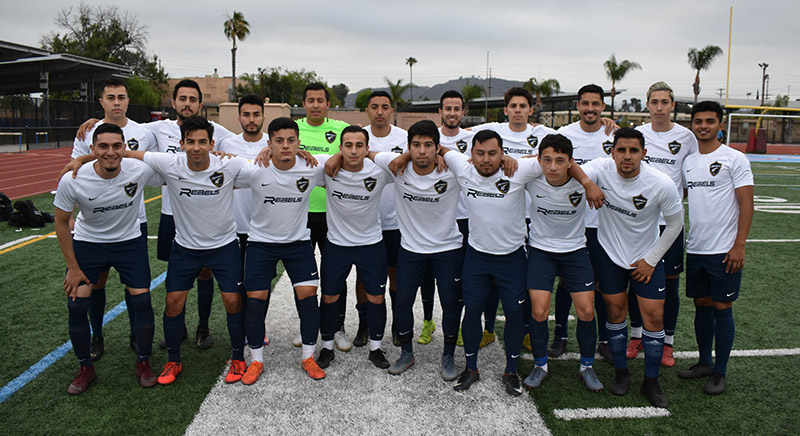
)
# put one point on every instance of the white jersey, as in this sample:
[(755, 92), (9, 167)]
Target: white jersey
[(711, 183), (280, 200), (108, 207), (496, 204), (426, 208), (667, 150), (558, 213), (241, 197), (629, 218), (203, 199), (587, 146), (168, 137), (353, 200), (136, 136), (462, 143), (396, 142)]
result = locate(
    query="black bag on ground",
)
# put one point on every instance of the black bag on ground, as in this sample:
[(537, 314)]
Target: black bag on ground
[(27, 215), (5, 207)]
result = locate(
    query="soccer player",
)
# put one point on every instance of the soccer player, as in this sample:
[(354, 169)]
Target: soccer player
[(107, 233), (495, 248), (201, 190), (632, 251), (354, 238), (320, 134), (667, 144), (114, 101), (589, 141), (720, 190), (278, 231)]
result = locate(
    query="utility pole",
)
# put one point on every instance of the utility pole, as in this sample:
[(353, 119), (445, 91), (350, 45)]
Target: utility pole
[(766, 94), (763, 66), (720, 91)]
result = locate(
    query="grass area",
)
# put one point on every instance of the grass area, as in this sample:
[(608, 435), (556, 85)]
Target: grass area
[(758, 399)]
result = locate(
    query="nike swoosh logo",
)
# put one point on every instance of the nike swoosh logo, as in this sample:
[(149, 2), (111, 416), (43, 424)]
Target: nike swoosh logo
[(182, 178), (688, 169), (728, 295), (458, 279), (469, 354), (521, 301), (383, 286), (661, 289), (314, 273), (539, 196), (93, 198), (514, 356), (589, 284), (676, 266), (604, 188), (266, 184), (406, 183), (238, 283)]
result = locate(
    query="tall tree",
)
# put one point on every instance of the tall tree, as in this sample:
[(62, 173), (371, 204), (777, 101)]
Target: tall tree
[(236, 28), (541, 88), (701, 60), (340, 90), (410, 62), (616, 72)]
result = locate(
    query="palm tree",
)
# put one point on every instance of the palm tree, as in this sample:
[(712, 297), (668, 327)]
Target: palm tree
[(396, 90), (701, 60), (541, 88), (236, 28), (616, 72), (410, 62)]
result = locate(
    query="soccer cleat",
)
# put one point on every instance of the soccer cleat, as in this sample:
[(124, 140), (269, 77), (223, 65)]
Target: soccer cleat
[(362, 336), (395, 336), (589, 378), (535, 378), (253, 373), (133, 345), (378, 359), (298, 341), (82, 380), (428, 327), (715, 384), (325, 358), (236, 371), (449, 372), (557, 347), (312, 369), (666, 358), (460, 340), (400, 365), (144, 374), (342, 341), (634, 347), (488, 338), (466, 379), (169, 373), (653, 392), (526, 342), (698, 370), (97, 348), (163, 343), (511, 382), (605, 352), (203, 338), (621, 383)]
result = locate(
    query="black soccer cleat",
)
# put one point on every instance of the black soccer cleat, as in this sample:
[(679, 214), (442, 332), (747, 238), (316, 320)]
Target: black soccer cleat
[(466, 379), (97, 348), (378, 359), (653, 392), (511, 382), (325, 358), (362, 336), (203, 338), (621, 383), (557, 348)]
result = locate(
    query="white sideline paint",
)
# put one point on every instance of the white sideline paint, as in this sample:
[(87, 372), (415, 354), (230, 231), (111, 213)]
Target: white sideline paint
[(612, 412), (358, 398), (774, 352), (18, 241)]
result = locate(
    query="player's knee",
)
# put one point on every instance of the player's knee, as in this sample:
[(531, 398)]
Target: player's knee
[(138, 291), (376, 299), (232, 301), (704, 301), (540, 313), (720, 305), (328, 299), (304, 292), (585, 313)]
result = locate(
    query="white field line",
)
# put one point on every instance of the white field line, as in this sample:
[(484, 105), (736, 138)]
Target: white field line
[(612, 412), (18, 241), (773, 352)]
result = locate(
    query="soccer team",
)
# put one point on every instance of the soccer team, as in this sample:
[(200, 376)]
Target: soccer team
[(495, 213)]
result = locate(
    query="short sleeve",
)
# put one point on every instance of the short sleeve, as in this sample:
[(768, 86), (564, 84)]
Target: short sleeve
[(670, 203), (741, 173), (65, 193), (79, 148)]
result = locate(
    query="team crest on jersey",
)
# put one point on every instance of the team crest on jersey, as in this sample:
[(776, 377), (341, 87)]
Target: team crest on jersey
[(133, 144), (130, 189), (674, 147), (330, 136), (396, 149), (607, 147), (639, 202), (302, 184), (462, 145), (575, 198), (533, 141), (714, 168), (217, 179), (370, 183), (502, 185), (440, 187)]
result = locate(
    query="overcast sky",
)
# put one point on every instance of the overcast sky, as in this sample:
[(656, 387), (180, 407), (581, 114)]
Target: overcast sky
[(360, 42)]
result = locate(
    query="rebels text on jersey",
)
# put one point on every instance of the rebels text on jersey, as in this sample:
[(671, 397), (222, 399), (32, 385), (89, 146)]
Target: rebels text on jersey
[(353, 202), (666, 151), (517, 144), (557, 212)]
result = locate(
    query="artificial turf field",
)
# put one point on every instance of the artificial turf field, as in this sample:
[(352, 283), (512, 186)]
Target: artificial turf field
[(760, 399)]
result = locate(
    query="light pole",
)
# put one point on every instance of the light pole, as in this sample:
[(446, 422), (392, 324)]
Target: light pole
[(763, 66)]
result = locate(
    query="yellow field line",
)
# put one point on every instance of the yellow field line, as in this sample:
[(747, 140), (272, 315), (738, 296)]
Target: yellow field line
[(22, 244)]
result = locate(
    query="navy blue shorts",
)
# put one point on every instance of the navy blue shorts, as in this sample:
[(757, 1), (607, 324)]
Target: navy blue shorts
[(143, 230), (370, 262), (411, 269), (185, 264), (463, 228), (574, 268), (261, 258), (706, 276), (391, 240), (673, 258), (129, 258), (166, 234), (614, 280), (594, 249), (508, 271)]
